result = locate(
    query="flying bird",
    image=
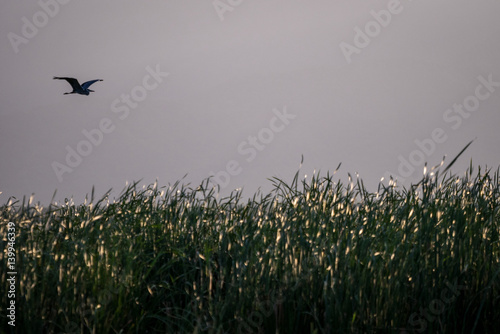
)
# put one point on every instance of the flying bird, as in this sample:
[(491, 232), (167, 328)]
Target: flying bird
[(82, 89)]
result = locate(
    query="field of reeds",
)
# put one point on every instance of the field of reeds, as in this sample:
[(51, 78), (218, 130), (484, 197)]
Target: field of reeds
[(312, 256)]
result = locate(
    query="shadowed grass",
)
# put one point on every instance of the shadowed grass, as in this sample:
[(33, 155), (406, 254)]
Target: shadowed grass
[(312, 256)]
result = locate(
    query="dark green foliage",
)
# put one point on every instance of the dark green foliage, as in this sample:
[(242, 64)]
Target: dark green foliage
[(313, 256)]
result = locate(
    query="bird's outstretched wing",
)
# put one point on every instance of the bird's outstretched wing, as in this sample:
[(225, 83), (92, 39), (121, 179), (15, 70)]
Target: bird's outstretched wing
[(87, 84), (72, 81)]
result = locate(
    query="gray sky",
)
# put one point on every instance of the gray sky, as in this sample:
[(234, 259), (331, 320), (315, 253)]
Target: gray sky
[(251, 86)]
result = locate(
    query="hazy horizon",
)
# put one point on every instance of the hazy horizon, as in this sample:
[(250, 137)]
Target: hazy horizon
[(243, 89)]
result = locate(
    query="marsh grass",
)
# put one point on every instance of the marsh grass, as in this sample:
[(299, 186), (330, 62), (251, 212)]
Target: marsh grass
[(312, 256)]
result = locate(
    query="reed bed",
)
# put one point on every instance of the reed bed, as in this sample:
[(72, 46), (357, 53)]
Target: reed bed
[(312, 256)]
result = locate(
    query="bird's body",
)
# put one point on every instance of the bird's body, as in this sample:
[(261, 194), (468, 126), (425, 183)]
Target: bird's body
[(82, 89)]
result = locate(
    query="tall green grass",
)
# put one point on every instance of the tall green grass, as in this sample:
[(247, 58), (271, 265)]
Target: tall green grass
[(312, 256)]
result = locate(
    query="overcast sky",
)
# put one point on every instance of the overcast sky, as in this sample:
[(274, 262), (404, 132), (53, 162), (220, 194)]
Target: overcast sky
[(242, 89)]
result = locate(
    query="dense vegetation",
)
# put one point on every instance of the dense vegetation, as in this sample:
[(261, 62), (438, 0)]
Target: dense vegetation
[(312, 256)]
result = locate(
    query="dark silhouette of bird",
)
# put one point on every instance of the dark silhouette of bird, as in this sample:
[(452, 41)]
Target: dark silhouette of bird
[(82, 89)]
